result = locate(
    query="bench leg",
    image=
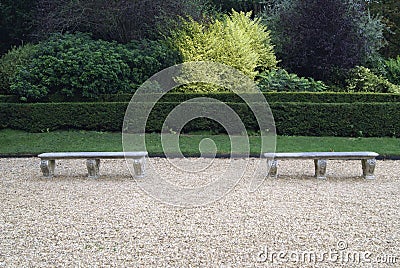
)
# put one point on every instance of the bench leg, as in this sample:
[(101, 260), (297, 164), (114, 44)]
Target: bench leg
[(320, 168), (47, 167), (139, 167), (93, 166), (273, 168), (368, 167)]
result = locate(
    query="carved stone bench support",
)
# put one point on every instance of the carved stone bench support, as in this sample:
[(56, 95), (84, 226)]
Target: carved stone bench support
[(93, 166), (273, 168), (47, 167), (139, 167), (368, 167), (320, 168)]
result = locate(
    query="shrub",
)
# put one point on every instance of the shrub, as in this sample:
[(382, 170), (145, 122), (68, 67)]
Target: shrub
[(280, 80), (74, 65), (392, 70), (149, 57), (235, 40), (362, 79), (10, 62)]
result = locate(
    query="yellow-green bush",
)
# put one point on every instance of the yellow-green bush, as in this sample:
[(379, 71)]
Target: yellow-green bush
[(235, 40), (362, 79)]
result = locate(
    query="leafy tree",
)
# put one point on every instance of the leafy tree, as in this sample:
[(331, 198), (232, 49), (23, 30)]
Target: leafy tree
[(255, 6), (15, 22), (390, 12), (120, 20), (316, 38)]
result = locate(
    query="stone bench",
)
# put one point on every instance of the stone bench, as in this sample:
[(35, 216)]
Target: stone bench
[(368, 161), (48, 160)]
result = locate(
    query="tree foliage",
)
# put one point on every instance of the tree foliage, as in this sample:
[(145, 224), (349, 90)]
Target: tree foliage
[(255, 6), (315, 37), (389, 10), (16, 22), (120, 20)]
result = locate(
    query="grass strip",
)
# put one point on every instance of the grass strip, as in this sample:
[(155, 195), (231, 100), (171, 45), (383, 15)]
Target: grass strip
[(13, 142)]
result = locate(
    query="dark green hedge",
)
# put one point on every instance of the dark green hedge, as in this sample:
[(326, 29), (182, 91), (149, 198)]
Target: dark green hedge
[(8, 98), (39, 117), (314, 97), (311, 119)]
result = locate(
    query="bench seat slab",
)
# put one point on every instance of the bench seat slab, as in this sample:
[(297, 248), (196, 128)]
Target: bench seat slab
[(93, 155)]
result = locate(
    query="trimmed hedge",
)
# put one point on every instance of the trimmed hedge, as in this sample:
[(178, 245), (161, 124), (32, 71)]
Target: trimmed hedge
[(41, 117), (320, 119), (8, 98), (271, 97)]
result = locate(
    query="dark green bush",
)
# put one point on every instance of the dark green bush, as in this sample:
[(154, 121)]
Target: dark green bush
[(280, 80), (74, 65), (311, 119), (149, 57), (11, 62)]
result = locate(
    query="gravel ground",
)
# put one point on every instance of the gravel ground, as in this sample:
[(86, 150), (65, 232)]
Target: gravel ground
[(292, 221)]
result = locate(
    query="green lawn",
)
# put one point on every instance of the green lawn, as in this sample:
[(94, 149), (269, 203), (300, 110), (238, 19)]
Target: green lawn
[(14, 142)]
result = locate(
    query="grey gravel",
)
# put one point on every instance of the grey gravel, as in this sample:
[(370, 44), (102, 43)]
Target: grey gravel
[(73, 221)]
